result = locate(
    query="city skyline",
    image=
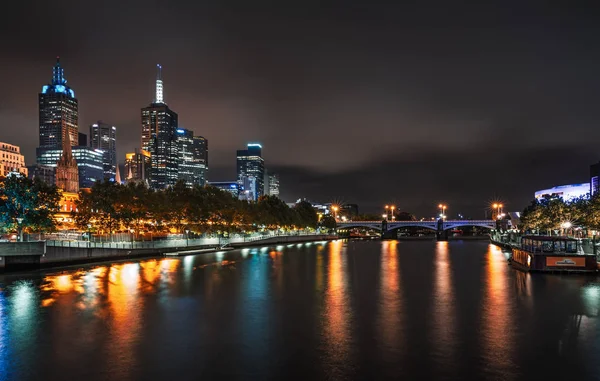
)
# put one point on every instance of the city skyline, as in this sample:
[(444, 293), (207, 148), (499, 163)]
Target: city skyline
[(409, 88)]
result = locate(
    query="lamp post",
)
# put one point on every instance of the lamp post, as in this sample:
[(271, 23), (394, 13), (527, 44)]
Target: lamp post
[(442, 210), (392, 210), (335, 208), (20, 228), (187, 237), (386, 212)]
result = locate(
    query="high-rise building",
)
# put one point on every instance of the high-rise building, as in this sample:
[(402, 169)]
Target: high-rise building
[(58, 115), (273, 184), (67, 174), (138, 166), (159, 137), (201, 155), (251, 168), (104, 136), (11, 160), (193, 155)]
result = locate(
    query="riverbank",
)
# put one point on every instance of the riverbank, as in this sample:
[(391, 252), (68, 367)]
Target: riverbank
[(64, 256)]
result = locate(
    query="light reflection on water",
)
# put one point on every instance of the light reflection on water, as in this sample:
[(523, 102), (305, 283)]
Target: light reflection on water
[(220, 315)]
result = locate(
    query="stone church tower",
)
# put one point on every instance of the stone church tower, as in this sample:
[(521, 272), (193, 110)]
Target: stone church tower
[(67, 174)]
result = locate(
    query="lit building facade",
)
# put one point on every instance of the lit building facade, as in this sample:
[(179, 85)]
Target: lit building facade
[(11, 160), (228, 186), (138, 166), (251, 169), (104, 137), (159, 137), (201, 155), (191, 164), (58, 112), (565, 192), (273, 184)]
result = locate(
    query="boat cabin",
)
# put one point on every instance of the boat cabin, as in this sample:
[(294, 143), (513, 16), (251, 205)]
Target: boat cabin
[(552, 253)]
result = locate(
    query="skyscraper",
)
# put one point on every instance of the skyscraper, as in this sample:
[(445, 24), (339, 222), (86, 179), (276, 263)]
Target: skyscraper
[(201, 155), (58, 115), (159, 137), (104, 137), (67, 173), (273, 184), (193, 155), (251, 169)]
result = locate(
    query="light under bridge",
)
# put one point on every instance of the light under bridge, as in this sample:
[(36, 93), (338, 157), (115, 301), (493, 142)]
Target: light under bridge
[(440, 226)]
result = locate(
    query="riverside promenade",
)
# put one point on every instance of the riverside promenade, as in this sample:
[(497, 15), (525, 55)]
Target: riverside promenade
[(54, 253)]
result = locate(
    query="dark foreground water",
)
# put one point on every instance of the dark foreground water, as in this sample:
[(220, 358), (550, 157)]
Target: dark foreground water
[(340, 310)]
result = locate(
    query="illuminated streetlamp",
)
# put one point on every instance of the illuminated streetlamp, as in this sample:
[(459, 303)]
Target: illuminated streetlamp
[(442, 210), (20, 228), (335, 208), (386, 211), (392, 208), (187, 237)]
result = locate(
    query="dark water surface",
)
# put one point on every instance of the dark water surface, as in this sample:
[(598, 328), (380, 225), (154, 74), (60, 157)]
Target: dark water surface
[(340, 310)]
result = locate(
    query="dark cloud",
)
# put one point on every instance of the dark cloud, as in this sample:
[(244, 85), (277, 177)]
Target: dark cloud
[(362, 101)]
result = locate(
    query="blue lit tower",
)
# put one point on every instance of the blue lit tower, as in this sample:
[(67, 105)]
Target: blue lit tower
[(58, 111), (159, 137), (251, 170)]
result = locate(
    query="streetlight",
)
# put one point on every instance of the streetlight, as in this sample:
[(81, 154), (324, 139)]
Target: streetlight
[(335, 208), (20, 228), (392, 208), (384, 216), (442, 210), (386, 211), (566, 226), (187, 237)]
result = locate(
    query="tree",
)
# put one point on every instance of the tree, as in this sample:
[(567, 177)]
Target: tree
[(328, 222), (405, 216), (306, 216), (27, 204)]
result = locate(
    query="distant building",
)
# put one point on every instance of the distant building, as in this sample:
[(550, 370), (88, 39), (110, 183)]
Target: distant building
[(201, 155), (565, 192), (11, 160), (251, 165), (138, 166), (43, 172), (58, 112), (104, 137), (229, 186), (159, 137), (273, 184), (192, 154)]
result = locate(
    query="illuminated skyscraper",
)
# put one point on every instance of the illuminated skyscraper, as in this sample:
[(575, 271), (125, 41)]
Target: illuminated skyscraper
[(193, 155), (273, 179), (104, 137), (137, 166), (251, 169), (159, 137), (57, 111)]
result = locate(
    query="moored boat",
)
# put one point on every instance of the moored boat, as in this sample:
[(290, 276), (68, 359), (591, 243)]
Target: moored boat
[(552, 254)]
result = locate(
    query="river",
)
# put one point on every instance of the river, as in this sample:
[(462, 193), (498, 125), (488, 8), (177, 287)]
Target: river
[(319, 311)]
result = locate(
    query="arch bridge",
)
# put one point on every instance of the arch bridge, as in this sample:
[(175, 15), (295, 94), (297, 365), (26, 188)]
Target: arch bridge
[(440, 226)]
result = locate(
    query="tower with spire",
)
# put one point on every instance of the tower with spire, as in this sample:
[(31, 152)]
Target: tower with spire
[(58, 111), (159, 129), (67, 173)]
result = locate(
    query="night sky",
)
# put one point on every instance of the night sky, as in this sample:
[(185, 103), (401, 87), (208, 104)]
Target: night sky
[(353, 101)]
